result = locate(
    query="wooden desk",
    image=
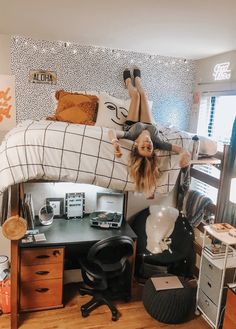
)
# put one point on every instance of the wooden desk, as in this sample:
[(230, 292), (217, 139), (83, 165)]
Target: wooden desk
[(61, 234), (79, 231), (230, 311)]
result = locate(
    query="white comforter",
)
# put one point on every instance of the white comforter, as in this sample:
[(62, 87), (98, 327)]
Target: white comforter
[(60, 151)]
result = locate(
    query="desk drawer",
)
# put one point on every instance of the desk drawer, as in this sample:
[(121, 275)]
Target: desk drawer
[(210, 270), (231, 304), (41, 256), (207, 306), (230, 311), (41, 272), (41, 294), (228, 322), (211, 288)]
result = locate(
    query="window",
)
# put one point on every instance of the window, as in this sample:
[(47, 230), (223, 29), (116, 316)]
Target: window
[(216, 117)]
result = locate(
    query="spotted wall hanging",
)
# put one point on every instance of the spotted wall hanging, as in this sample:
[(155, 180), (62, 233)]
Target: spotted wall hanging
[(167, 80)]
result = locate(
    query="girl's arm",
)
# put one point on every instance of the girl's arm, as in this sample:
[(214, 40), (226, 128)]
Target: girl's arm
[(185, 156), (114, 137)]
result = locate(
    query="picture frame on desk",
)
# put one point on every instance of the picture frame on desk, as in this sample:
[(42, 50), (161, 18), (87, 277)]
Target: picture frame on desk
[(58, 206)]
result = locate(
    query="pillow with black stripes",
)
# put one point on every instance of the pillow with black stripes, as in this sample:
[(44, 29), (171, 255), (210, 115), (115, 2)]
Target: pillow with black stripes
[(112, 111)]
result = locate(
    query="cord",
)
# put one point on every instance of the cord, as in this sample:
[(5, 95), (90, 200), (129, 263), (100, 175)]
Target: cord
[(220, 317), (234, 277)]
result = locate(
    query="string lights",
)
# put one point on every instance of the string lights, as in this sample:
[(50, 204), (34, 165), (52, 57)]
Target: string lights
[(95, 50)]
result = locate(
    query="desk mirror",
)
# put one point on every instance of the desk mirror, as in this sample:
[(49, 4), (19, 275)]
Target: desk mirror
[(46, 215)]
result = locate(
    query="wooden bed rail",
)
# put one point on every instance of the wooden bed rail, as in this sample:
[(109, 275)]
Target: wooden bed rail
[(15, 195)]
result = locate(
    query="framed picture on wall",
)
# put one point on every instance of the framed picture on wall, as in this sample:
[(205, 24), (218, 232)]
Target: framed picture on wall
[(58, 206), (7, 104)]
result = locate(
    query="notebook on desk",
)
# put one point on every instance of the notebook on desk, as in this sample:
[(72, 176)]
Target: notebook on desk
[(166, 282)]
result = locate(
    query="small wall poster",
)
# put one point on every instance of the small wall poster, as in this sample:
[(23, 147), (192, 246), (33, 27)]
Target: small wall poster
[(41, 76), (7, 103)]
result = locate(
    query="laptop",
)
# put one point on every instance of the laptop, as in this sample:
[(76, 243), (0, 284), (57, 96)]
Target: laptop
[(166, 282)]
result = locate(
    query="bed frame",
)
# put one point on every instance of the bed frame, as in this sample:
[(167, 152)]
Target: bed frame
[(219, 160)]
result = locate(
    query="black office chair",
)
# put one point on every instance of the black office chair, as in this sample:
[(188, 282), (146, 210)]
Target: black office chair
[(105, 270)]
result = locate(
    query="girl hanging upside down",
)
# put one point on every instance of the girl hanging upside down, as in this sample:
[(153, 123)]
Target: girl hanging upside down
[(143, 168)]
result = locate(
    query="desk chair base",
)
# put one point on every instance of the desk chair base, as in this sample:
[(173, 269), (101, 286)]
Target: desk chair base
[(97, 300)]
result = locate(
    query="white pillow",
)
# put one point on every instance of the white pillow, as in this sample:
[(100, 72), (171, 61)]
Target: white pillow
[(112, 111), (207, 146)]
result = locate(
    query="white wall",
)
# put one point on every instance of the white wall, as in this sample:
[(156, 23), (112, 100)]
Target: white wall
[(5, 68), (137, 202), (5, 41), (205, 80), (41, 191)]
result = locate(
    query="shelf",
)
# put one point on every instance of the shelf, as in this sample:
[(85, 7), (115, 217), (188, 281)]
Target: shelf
[(219, 262), (224, 237), (207, 161)]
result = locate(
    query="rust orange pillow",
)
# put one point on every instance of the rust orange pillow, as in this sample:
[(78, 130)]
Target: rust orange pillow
[(75, 108)]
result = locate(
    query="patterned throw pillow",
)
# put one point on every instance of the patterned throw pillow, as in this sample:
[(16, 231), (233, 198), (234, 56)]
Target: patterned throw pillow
[(75, 108), (112, 111)]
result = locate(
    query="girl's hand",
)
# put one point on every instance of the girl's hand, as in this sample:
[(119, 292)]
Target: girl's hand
[(185, 158), (117, 149)]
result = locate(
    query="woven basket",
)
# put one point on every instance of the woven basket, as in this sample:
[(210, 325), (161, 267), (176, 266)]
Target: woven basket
[(14, 228)]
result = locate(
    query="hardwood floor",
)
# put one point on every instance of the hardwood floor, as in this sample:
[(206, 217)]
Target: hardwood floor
[(133, 316)]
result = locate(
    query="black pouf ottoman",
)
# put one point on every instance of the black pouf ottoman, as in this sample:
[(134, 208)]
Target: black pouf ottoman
[(171, 305)]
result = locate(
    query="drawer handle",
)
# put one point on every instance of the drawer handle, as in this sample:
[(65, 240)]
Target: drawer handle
[(56, 253), (42, 272), (206, 301), (209, 284), (42, 256), (210, 266), (41, 289)]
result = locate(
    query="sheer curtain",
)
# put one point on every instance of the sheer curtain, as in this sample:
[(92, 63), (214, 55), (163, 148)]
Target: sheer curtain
[(227, 209)]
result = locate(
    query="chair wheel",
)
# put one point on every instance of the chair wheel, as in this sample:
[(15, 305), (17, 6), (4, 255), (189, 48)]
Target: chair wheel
[(84, 314), (114, 317), (82, 293), (197, 312)]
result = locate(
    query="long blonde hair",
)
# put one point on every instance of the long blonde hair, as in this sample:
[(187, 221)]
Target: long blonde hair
[(143, 171)]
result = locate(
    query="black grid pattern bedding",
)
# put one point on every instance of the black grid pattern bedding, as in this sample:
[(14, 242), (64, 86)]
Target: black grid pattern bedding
[(59, 151)]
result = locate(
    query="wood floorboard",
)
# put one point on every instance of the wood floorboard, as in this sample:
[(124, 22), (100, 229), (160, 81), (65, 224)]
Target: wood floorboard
[(133, 316)]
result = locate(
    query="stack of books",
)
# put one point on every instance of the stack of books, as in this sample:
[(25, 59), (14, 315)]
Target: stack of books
[(221, 227), (28, 210), (217, 251)]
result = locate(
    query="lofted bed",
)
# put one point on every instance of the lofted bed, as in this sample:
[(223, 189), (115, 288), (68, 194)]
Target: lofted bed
[(59, 151)]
